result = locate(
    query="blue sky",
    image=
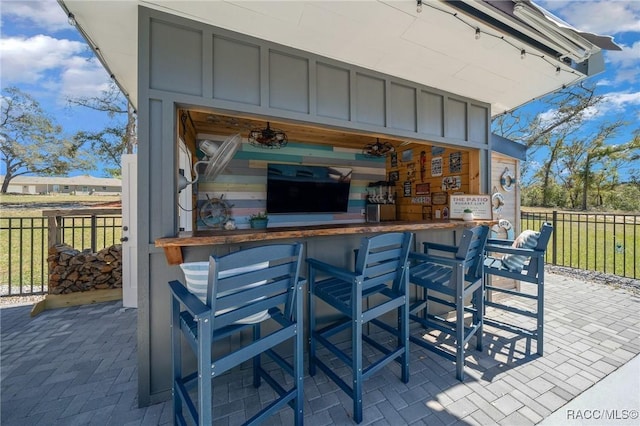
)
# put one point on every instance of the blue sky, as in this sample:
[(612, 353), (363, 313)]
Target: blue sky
[(46, 57)]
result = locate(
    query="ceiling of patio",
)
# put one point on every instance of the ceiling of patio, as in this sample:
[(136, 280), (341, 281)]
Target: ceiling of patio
[(433, 48)]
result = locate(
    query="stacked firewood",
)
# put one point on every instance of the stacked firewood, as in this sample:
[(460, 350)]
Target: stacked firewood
[(71, 270)]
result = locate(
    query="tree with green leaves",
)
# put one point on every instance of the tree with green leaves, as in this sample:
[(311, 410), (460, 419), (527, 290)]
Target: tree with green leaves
[(563, 114), (31, 142), (116, 139), (596, 151)]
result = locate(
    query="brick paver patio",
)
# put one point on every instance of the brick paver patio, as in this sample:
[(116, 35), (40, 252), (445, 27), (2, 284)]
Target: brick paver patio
[(78, 366)]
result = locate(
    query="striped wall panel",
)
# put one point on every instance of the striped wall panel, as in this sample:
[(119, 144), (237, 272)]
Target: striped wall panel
[(244, 183)]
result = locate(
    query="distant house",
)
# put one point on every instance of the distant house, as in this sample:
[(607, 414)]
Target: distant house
[(79, 185)]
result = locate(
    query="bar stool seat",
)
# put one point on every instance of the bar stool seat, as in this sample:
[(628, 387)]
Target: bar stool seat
[(459, 277), (258, 289), (379, 285)]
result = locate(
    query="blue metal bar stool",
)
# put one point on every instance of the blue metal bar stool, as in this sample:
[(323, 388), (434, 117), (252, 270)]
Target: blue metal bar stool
[(257, 288), (380, 278), (458, 278), (522, 260)]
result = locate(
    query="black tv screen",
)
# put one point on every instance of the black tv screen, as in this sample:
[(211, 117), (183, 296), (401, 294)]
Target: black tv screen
[(295, 188)]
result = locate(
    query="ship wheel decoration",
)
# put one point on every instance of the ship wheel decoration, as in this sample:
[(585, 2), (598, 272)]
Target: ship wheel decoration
[(215, 212)]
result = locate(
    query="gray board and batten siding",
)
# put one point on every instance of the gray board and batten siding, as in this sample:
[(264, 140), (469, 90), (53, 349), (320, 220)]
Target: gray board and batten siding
[(183, 63)]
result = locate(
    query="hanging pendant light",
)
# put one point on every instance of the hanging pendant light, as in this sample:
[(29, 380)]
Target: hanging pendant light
[(378, 149), (268, 137)]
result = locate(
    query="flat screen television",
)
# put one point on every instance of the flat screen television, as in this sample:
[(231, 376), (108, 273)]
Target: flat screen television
[(293, 188)]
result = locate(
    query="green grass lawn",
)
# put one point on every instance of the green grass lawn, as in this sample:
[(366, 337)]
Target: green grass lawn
[(607, 243), (24, 235)]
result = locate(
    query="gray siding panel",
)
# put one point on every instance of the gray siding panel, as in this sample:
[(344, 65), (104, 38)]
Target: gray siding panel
[(456, 119), (478, 124), (288, 82), (190, 63), (236, 71), (370, 100), (332, 92), (432, 118), (402, 113), (175, 58)]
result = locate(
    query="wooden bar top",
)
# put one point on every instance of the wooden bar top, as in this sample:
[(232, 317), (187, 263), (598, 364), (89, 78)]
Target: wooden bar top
[(173, 245)]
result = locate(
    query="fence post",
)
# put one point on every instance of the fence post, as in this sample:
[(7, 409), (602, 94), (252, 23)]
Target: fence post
[(555, 237), (55, 230), (94, 225)]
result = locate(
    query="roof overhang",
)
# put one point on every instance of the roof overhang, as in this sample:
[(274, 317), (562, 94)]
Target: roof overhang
[(436, 48)]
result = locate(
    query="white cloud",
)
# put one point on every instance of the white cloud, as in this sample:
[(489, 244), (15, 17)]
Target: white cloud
[(47, 15), (607, 17), (621, 101), (626, 62), (58, 64), (612, 103), (618, 18)]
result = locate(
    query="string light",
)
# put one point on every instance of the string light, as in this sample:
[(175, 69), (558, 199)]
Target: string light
[(478, 32)]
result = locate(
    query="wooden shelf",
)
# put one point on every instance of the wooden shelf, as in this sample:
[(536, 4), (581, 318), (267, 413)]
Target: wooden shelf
[(173, 245)]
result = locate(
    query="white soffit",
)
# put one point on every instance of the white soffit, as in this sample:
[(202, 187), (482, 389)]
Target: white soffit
[(432, 48)]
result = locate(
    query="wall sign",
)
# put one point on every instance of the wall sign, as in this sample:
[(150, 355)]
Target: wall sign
[(479, 204), (411, 171), (436, 150), (423, 188), (436, 166), (394, 159), (407, 188), (421, 200), (451, 183), (439, 198), (455, 162)]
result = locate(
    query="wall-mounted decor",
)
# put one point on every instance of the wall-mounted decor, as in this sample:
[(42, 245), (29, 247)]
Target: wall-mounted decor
[(394, 159), (411, 171), (497, 202), (394, 176), (455, 162), (407, 188), (507, 179), (480, 205), (421, 200), (423, 188), (423, 165), (439, 198), (407, 155), (450, 183), (436, 166), (436, 150), (445, 213)]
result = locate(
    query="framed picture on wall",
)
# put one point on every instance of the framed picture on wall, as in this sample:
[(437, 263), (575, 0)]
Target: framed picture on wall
[(394, 159), (394, 176), (407, 155)]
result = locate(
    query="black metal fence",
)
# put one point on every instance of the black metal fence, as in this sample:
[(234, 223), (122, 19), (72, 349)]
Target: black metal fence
[(24, 243), (608, 243), (602, 242)]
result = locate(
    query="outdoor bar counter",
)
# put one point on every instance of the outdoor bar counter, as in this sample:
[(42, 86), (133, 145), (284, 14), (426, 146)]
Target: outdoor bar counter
[(173, 246)]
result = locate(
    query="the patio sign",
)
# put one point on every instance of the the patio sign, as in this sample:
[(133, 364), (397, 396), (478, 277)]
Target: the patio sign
[(479, 204)]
